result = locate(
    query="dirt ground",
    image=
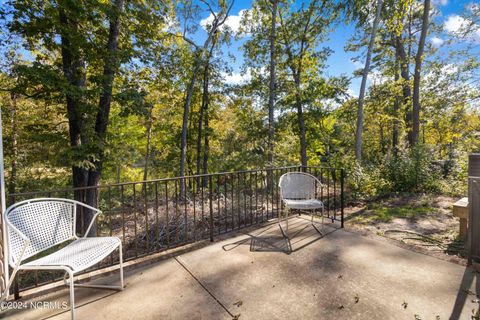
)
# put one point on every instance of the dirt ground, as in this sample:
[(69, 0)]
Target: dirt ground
[(419, 222)]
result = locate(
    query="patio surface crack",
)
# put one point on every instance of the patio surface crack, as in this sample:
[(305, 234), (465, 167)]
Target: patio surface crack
[(202, 285)]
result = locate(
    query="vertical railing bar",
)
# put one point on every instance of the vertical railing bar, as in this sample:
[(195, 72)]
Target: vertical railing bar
[(123, 213), (145, 200), (157, 240), (244, 200), (334, 194), (135, 217), (239, 213), (175, 198), (211, 207), (185, 214), (328, 192), (274, 185), (219, 211), (266, 193), (256, 197), (225, 191), (203, 207), (233, 197), (342, 195), (109, 206), (262, 195), (167, 221), (194, 196), (250, 191)]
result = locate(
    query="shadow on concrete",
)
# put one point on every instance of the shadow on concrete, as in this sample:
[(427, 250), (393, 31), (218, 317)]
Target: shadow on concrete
[(272, 239), (78, 305), (470, 278)]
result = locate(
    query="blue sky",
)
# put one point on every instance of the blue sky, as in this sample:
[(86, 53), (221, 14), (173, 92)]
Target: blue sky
[(340, 61)]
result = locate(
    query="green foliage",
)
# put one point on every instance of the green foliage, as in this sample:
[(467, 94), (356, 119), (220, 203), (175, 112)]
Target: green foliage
[(156, 65), (412, 171)]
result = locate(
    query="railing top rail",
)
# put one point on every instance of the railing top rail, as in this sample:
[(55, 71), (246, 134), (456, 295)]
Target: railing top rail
[(106, 186)]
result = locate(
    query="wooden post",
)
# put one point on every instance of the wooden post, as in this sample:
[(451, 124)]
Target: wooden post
[(473, 243)]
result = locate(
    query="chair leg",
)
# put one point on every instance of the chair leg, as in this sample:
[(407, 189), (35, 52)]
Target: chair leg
[(121, 265), (102, 286), (285, 233), (72, 295)]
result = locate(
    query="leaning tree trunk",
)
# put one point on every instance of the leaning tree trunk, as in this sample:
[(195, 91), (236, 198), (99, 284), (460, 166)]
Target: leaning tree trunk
[(186, 112), (406, 89), (203, 109), (271, 93), (217, 23), (366, 70), (206, 148), (417, 74)]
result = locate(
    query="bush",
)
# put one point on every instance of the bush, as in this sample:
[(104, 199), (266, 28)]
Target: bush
[(413, 171)]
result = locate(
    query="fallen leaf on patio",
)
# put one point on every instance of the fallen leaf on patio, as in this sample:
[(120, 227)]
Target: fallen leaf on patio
[(475, 314), (238, 303), (417, 317), (340, 276), (340, 307), (470, 292), (357, 298), (404, 305)]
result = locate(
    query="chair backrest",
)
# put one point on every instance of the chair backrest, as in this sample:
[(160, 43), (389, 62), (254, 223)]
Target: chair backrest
[(45, 222), (298, 185)]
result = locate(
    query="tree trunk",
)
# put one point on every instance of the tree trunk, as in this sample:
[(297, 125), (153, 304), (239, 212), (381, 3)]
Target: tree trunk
[(272, 84), (186, 112), (404, 64), (366, 70), (396, 106), (147, 150), (301, 121), (417, 74), (203, 108), (73, 66), (13, 120), (217, 23), (199, 130), (206, 148)]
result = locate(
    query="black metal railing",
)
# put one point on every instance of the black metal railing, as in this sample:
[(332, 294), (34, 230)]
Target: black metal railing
[(155, 215)]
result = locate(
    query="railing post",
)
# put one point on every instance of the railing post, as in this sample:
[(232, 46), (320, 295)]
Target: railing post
[(342, 196), (210, 222), (473, 229)]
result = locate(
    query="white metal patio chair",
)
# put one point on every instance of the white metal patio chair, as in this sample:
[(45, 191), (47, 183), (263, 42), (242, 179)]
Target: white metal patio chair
[(35, 225), (299, 191)]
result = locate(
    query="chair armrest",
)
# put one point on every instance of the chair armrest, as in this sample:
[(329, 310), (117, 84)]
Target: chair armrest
[(26, 240)]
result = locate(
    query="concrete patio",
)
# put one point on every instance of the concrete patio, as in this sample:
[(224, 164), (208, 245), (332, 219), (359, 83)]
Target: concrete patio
[(342, 275)]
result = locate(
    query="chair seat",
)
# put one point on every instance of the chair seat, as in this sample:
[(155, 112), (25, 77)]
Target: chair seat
[(80, 254), (307, 204)]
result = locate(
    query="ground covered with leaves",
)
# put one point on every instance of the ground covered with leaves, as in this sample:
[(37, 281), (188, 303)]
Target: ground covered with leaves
[(421, 222)]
